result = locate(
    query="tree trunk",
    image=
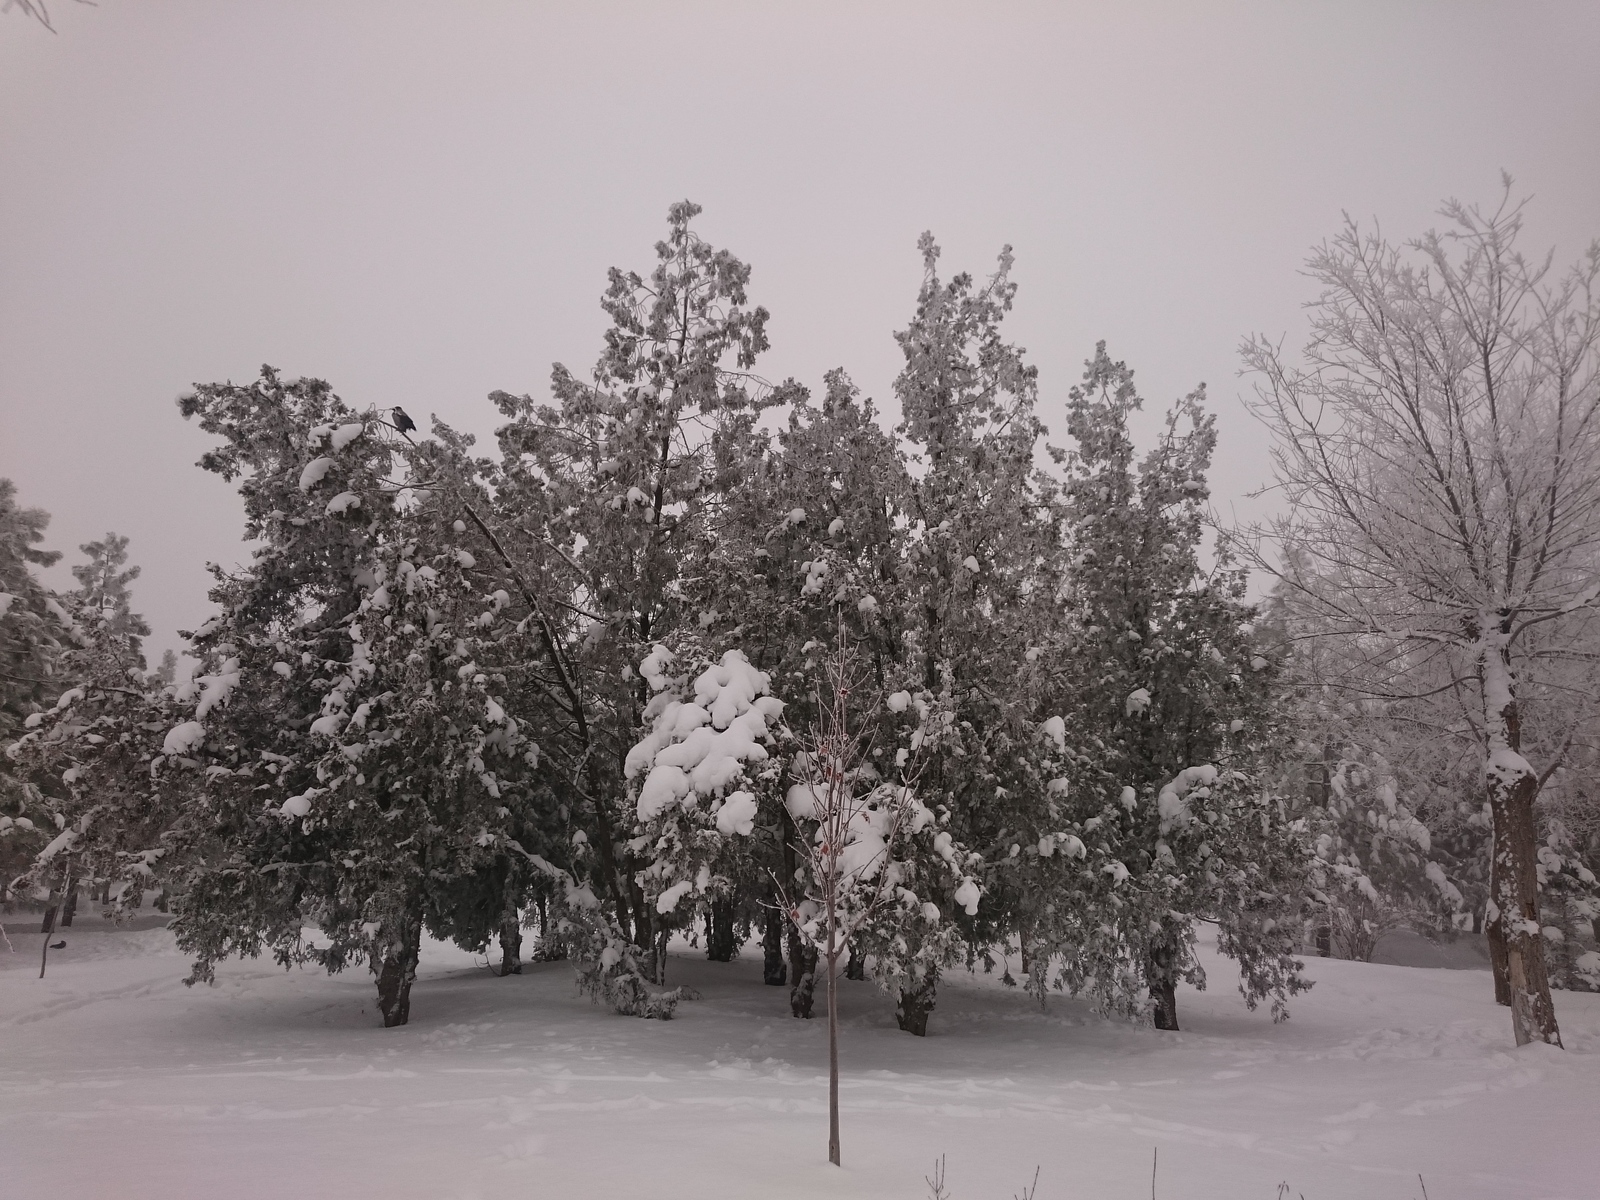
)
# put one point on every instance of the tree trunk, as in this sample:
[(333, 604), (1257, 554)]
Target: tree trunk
[(1161, 973), (856, 968), (721, 944), (916, 1004), (47, 928), (802, 966), (662, 937), (1533, 1017), (511, 944), (1514, 877), (773, 971), (1499, 963), (70, 907), (1165, 1011), (803, 973), (833, 1041), (395, 965)]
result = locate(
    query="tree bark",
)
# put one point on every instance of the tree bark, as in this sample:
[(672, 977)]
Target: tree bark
[(395, 965), (620, 891), (721, 944), (70, 907), (833, 1037), (1499, 964), (47, 928), (773, 971), (1161, 973), (916, 1004), (1165, 1012), (802, 966), (856, 968), (803, 973), (1514, 876), (511, 944)]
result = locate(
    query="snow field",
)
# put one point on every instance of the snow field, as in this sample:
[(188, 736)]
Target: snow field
[(116, 1079)]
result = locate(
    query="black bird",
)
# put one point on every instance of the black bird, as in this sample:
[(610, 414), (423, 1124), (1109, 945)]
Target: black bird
[(58, 945), (402, 422)]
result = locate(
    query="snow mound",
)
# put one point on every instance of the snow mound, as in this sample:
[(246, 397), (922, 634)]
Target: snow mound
[(184, 738), (314, 471)]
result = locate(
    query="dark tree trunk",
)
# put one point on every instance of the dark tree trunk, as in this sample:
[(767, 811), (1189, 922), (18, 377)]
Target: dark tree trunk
[(802, 965), (1161, 973), (856, 968), (47, 928), (663, 936), (52, 907), (396, 968), (1325, 941), (70, 907), (803, 972), (511, 944), (1165, 1011), (773, 971), (916, 1004), (1513, 869), (1527, 979), (721, 944), (621, 892), (1499, 962)]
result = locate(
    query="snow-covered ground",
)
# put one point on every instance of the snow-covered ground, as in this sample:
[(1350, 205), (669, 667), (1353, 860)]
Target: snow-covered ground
[(117, 1080)]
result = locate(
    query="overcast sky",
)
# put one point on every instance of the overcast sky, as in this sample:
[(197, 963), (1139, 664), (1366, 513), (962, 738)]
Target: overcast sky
[(418, 201)]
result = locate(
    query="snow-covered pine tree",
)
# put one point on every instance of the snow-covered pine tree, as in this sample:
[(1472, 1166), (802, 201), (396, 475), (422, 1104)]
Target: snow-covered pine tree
[(812, 538), (87, 763), (103, 585), (354, 716), (697, 780), (981, 525), (1159, 669), (611, 496), (31, 618), (1385, 778), (33, 631)]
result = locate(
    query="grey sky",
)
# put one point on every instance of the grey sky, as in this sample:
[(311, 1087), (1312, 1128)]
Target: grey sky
[(418, 201)]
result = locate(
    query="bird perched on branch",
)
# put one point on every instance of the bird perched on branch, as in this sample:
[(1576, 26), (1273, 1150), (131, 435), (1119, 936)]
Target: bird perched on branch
[(402, 422)]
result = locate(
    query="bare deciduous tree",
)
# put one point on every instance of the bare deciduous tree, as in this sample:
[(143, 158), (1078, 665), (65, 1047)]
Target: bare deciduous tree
[(1440, 451), (852, 817)]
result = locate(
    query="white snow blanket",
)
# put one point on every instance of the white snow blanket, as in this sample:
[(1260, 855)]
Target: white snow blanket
[(115, 1079)]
